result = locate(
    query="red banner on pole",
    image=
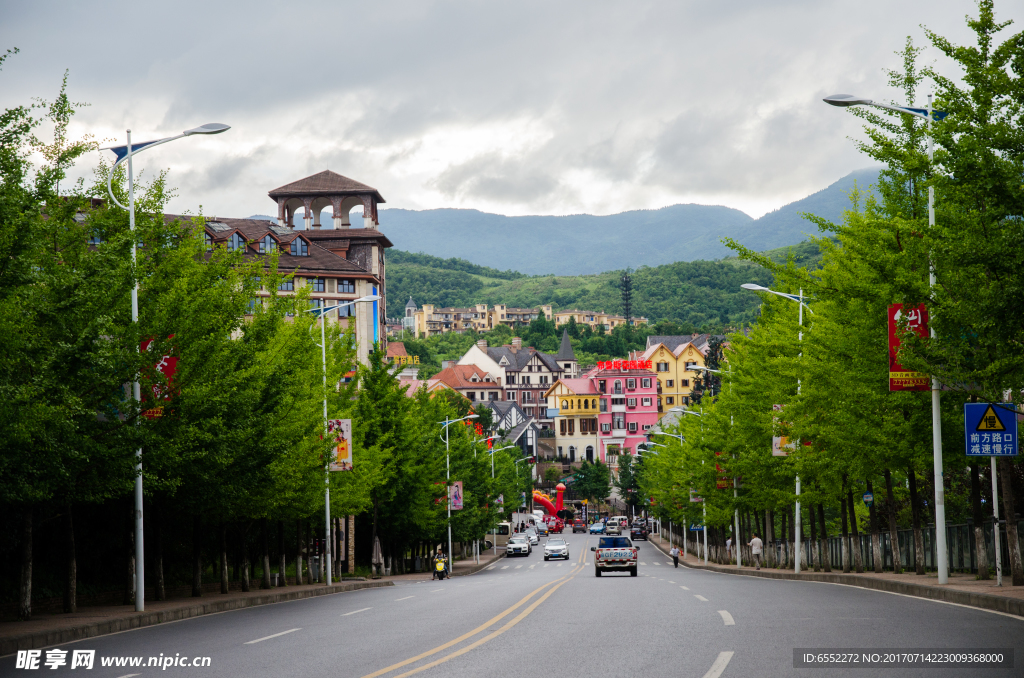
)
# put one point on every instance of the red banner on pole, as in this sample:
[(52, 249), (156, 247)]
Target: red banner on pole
[(900, 378)]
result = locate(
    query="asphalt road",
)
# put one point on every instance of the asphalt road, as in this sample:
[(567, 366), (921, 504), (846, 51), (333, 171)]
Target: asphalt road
[(527, 617)]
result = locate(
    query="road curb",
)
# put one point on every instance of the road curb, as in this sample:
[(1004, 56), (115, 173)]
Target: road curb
[(67, 634), (477, 568), (982, 601)]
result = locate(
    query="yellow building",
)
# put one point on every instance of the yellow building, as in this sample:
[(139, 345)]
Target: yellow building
[(674, 367), (593, 320), (576, 423)]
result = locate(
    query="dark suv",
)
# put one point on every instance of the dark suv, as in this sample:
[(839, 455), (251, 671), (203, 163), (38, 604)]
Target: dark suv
[(638, 532), (578, 526)]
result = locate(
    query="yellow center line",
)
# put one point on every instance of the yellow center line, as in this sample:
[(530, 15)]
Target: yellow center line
[(490, 622), (518, 618)]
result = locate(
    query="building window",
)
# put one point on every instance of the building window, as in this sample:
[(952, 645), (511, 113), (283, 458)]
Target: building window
[(618, 401), (559, 450), (632, 427), (318, 284), (561, 427), (527, 397), (670, 400), (287, 285), (512, 396), (207, 238), (300, 248), (347, 311), (663, 367), (472, 396), (316, 303), (618, 387), (606, 428), (572, 427), (618, 421), (526, 379), (493, 395), (646, 402), (236, 242), (604, 404), (630, 402), (647, 427), (602, 386), (669, 383), (645, 383), (511, 378), (565, 404), (529, 411), (346, 287), (685, 383), (590, 453), (631, 384), (267, 244)]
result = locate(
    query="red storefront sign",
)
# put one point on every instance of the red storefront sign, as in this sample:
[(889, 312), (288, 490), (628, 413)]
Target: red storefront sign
[(900, 378), (625, 364)]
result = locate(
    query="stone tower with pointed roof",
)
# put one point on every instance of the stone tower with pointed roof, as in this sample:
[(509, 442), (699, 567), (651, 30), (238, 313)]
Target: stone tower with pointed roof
[(567, 358), (318, 191)]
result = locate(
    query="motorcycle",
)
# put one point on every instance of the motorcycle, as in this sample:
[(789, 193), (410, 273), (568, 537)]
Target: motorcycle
[(440, 568)]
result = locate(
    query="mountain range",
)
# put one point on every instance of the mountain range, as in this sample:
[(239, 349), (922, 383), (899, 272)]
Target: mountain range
[(585, 244)]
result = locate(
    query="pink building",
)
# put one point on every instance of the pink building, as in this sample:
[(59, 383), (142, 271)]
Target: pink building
[(606, 412)]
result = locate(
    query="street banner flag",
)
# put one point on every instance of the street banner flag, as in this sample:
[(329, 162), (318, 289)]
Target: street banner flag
[(900, 378), (455, 495), (990, 429), (781, 445), (341, 453)]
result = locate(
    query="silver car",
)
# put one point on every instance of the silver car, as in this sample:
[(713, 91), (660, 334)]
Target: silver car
[(531, 534), (556, 548)]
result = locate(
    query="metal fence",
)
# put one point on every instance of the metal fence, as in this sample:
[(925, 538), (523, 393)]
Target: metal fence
[(960, 546)]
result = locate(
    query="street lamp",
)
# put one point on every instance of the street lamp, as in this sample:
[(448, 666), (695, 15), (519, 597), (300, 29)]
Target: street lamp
[(929, 114), (799, 298), (494, 531), (124, 153), (448, 476), (327, 474)]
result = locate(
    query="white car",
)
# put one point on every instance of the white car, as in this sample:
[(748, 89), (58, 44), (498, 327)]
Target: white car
[(531, 534), (518, 545), (556, 548)]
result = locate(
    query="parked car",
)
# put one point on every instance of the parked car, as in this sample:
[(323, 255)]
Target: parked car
[(578, 526), (556, 548), (638, 532), (518, 545), (597, 528)]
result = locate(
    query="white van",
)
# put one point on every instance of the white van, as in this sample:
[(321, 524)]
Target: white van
[(614, 524)]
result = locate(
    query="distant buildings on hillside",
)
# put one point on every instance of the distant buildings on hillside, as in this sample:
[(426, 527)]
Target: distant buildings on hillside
[(430, 321)]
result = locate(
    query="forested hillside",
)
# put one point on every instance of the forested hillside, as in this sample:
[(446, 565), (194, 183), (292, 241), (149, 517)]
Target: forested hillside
[(701, 294)]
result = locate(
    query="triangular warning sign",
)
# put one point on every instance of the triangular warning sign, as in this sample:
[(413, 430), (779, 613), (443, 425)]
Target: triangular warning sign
[(990, 421)]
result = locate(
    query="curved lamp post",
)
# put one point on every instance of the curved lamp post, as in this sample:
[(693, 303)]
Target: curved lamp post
[(327, 473), (494, 530), (125, 153), (448, 477), (929, 114)]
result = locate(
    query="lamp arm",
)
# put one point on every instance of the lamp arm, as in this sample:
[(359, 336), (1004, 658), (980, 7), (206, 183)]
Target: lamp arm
[(143, 147), (898, 109)]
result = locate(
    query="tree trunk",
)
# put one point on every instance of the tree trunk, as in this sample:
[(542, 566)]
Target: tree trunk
[(160, 592), (979, 524), (129, 542), (197, 557), (225, 583), (769, 539), (243, 534), (282, 556), (783, 543), (816, 561), (298, 553), (876, 538), (791, 552), (25, 586), (845, 541), (826, 559), (858, 555), (915, 512), (890, 505), (71, 575), (1006, 477), (265, 547)]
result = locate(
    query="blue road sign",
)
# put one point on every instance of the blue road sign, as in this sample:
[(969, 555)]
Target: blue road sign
[(990, 429)]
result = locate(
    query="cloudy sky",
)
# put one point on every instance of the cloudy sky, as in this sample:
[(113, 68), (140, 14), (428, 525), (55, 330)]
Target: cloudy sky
[(527, 107)]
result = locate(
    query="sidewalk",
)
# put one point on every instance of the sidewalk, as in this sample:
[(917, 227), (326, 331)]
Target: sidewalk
[(461, 568), (89, 622), (962, 589)]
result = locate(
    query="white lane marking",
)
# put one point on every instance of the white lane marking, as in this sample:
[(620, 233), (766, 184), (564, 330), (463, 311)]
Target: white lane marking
[(533, 566), (684, 588), (547, 564), (727, 618), (656, 562), (260, 640), (667, 563), (719, 666), (558, 564), (435, 590), (490, 567), (700, 597), (643, 563), (518, 566), (406, 598), (358, 611), (504, 567), (130, 675), (671, 582)]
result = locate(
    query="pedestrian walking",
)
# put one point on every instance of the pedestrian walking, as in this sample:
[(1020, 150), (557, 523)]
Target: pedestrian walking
[(755, 550), (728, 548), (674, 552)]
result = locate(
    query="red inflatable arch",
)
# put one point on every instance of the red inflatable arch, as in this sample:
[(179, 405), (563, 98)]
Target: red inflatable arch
[(548, 506)]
